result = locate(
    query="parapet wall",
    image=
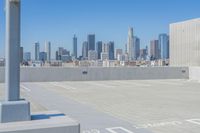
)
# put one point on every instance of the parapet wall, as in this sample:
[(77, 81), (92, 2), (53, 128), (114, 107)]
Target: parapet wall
[(194, 73), (50, 74)]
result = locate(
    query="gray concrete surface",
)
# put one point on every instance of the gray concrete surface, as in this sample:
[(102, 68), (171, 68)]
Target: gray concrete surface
[(44, 122), (12, 111), (122, 106), (93, 74)]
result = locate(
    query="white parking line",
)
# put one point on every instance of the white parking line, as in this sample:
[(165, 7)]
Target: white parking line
[(62, 86), (101, 85), (169, 83), (156, 125), (164, 124), (113, 130), (133, 83), (25, 88), (91, 131), (194, 121)]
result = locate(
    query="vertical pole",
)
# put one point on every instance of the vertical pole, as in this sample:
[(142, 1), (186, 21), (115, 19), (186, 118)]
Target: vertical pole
[(12, 69)]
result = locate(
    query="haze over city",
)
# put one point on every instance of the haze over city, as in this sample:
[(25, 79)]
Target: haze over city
[(109, 20)]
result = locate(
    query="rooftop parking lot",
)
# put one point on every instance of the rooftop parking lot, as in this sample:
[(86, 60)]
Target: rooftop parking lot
[(139, 106)]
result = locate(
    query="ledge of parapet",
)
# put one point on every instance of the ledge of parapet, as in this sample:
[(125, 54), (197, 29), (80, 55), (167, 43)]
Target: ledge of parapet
[(52, 74)]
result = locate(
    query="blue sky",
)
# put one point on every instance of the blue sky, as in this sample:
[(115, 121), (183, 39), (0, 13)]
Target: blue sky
[(58, 20)]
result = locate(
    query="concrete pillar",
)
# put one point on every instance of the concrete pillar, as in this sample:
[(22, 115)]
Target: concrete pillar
[(12, 69), (13, 108)]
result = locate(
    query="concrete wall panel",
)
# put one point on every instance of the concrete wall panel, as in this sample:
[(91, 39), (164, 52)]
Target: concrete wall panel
[(30, 74)]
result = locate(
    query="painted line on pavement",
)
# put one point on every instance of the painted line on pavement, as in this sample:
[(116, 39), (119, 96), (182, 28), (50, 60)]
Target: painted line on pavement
[(62, 86), (133, 84), (25, 88), (113, 130)]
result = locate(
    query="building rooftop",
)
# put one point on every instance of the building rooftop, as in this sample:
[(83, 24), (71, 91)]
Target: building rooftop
[(142, 106), (186, 21)]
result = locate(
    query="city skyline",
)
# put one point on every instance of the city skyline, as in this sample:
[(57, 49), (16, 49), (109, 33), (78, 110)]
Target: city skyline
[(111, 88), (93, 51), (104, 23)]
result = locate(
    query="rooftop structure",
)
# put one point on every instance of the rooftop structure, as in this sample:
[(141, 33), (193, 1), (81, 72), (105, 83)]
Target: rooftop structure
[(185, 43)]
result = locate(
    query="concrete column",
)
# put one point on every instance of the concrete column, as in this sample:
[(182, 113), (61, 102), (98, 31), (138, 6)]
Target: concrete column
[(13, 108), (12, 69)]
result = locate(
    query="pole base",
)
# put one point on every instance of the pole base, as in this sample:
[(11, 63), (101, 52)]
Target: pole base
[(13, 111), (43, 122)]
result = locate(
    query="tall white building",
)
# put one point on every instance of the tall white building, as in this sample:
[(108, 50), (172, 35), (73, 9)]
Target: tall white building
[(118, 52), (105, 52), (105, 48), (130, 44), (185, 43), (48, 50)]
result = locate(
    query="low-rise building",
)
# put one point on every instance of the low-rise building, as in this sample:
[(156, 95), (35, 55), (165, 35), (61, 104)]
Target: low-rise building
[(104, 56)]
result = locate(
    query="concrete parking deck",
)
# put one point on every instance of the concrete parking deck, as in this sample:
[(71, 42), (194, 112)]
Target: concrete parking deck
[(144, 106)]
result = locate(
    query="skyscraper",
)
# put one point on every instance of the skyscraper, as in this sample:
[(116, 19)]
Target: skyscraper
[(37, 51), (164, 46), (91, 42), (62, 54), (154, 50), (144, 53), (43, 56), (111, 50), (59, 53), (57, 56), (118, 52), (27, 56), (65, 52), (48, 50), (105, 48), (130, 44), (105, 51), (99, 48), (136, 48), (85, 50), (126, 49), (74, 46)]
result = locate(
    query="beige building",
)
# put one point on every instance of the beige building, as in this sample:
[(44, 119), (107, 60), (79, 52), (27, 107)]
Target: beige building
[(185, 43)]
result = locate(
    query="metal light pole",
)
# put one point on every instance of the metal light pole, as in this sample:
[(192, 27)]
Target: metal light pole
[(13, 108)]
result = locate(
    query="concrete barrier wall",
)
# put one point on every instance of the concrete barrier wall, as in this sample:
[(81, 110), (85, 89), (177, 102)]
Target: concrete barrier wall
[(83, 74)]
